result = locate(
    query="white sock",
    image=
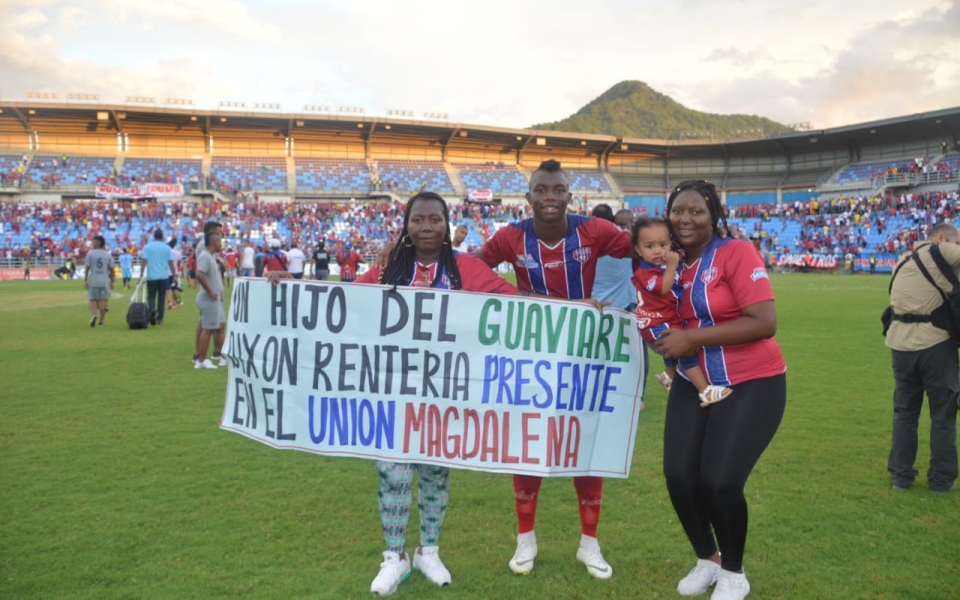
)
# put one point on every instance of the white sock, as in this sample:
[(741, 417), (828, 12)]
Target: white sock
[(529, 537), (587, 541)]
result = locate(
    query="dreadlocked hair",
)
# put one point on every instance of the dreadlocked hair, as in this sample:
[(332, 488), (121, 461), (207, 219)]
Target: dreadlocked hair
[(709, 193), (401, 263)]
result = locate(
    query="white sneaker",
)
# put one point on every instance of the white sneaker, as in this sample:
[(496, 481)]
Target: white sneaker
[(223, 362), (700, 578), (427, 560), (394, 570), (596, 566), (522, 561), (204, 364), (731, 586)]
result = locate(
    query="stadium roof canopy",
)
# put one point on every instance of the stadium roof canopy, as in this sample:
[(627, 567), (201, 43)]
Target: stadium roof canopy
[(24, 116)]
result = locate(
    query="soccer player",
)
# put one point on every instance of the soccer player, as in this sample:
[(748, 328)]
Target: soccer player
[(126, 267), (349, 262), (99, 279), (555, 254)]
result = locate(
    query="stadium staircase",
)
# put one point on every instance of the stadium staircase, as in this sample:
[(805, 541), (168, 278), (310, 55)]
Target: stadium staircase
[(455, 179), (205, 165), (614, 188), (291, 175)]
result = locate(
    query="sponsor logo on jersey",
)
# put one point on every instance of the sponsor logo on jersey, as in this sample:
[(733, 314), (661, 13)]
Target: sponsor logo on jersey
[(708, 275), (759, 273), (643, 323), (553, 264), (582, 254), (526, 261), (651, 284)]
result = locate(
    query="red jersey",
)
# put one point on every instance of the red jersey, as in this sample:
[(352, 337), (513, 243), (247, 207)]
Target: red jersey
[(653, 308), (727, 278), (475, 276), (566, 270), (349, 262), (232, 260)]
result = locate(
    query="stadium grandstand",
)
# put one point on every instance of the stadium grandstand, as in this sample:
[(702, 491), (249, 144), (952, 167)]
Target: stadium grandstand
[(69, 171)]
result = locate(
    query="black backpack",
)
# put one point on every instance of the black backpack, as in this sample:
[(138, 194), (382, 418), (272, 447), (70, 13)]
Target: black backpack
[(947, 315)]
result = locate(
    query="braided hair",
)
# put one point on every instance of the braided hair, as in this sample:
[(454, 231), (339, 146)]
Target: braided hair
[(709, 193), (400, 264)]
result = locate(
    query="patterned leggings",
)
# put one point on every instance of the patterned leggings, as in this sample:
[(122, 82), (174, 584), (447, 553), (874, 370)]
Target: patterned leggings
[(396, 498)]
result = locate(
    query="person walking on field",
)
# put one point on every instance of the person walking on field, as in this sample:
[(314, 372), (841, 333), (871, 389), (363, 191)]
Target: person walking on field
[(157, 267), (99, 279)]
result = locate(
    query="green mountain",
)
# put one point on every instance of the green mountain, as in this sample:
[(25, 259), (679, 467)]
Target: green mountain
[(634, 109)]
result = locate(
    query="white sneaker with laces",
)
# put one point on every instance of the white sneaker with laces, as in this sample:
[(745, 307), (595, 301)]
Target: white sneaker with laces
[(204, 364), (596, 566), (700, 578), (522, 561), (731, 586), (394, 570), (427, 560), (223, 360)]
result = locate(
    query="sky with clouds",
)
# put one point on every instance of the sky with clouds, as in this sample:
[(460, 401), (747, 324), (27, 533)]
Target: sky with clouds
[(494, 62)]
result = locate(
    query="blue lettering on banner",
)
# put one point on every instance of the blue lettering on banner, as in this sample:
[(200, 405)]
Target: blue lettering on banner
[(351, 422), (566, 385)]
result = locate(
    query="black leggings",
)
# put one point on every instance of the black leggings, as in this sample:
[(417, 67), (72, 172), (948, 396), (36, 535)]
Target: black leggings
[(708, 454)]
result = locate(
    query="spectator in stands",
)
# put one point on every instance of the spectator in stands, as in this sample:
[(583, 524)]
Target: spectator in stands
[(321, 262), (924, 359), (565, 262), (156, 260), (708, 453), (295, 260), (99, 279)]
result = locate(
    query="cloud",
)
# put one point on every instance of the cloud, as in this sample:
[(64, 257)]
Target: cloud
[(223, 16), (738, 57)]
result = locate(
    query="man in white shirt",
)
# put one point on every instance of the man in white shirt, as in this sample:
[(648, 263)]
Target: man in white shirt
[(246, 263), (459, 239), (295, 260)]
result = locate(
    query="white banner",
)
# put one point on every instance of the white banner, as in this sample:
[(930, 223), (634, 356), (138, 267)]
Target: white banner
[(481, 195), (475, 381)]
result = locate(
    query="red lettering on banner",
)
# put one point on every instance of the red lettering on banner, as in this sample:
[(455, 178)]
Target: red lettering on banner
[(528, 437), (555, 438), (490, 428), (573, 443), (451, 411), (471, 416), (505, 453), (413, 420), (433, 431)]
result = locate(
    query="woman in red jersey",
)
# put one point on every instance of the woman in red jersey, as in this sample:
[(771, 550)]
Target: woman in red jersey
[(708, 452)]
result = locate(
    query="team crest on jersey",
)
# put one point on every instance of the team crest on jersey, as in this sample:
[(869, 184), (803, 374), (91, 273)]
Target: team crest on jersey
[(709, 275), (759, 273), (582, 254), (526, 261), (651, 284)]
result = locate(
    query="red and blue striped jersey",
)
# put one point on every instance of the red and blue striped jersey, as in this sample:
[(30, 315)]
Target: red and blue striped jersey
[(566, 270), (728, 277)]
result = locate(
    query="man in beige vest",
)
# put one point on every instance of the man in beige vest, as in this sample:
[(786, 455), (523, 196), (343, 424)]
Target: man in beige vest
[(924, 360)]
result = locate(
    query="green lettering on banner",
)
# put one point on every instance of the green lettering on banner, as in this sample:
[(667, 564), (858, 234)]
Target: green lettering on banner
[(588, 329), (572, 332), (488, 334), (534, 328), (606, 328), (622, 340), (554, 327)]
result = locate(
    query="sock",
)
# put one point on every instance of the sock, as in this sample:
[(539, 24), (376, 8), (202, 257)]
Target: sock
[(587, 541), (526, 488), (589, 493)]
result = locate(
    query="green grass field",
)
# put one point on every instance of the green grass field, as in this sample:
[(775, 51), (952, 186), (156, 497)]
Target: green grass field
[(116, 482)]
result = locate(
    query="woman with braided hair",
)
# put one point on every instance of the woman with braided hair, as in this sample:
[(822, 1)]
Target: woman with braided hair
[(422, 257), (709, 451)]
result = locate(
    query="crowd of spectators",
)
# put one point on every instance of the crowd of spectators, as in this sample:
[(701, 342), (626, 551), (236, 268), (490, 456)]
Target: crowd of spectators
[(839, 226)]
